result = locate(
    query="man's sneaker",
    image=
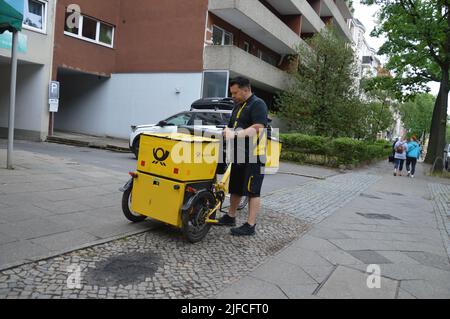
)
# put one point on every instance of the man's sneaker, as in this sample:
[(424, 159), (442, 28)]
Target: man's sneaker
[(412, 176), (409, 173), (244, 230), (227, 220)]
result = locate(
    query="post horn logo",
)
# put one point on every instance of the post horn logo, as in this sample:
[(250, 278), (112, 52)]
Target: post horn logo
[(160, 156)]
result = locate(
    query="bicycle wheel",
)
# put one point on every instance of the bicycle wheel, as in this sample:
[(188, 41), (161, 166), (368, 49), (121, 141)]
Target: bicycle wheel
[(194, 226)]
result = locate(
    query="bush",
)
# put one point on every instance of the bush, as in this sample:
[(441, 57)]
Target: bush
[(331, 152)]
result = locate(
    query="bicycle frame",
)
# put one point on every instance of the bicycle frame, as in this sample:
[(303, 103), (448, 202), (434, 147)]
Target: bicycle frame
[(221, 186)]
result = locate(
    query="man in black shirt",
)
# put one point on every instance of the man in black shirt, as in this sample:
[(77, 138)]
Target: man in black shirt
[(248, 120)]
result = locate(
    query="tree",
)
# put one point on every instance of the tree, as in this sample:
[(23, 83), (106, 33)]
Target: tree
[(383, 103), (323, 100), (418, 48), (417, 114)]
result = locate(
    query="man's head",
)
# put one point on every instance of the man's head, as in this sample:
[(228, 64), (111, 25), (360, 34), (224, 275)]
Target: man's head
[(240, 89)]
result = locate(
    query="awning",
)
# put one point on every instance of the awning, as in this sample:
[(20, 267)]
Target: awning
[(11, 15)]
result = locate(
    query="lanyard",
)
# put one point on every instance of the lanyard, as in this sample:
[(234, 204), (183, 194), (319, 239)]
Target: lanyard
[(239, 114)]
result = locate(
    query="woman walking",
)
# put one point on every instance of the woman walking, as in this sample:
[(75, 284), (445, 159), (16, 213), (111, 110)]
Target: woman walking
[(412, 156), (401, 147)]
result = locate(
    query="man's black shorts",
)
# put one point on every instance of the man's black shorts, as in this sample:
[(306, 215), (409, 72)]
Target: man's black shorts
[(246, 179)]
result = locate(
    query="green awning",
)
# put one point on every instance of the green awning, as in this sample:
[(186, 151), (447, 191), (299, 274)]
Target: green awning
[(11, 15)]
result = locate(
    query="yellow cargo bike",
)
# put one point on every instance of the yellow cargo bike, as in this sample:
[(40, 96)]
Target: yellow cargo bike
[(176, 182)]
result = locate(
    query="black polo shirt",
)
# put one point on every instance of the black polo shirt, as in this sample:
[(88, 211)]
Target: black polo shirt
[(255, 112)]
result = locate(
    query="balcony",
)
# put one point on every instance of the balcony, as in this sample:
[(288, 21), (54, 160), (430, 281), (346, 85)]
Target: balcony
[(239, 62), (344, 8), (311, 22), (254, 19), (329, 9)]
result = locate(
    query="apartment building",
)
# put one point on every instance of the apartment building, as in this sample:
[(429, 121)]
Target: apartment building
[(133, 62), (367, 62), (125, 62), (34, 71)]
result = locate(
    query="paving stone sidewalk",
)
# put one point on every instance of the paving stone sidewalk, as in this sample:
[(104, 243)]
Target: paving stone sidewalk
[(50, 205), (323, 239), (390, 241)]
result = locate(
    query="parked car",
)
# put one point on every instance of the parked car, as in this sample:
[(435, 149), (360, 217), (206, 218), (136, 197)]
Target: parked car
[(210, 111), (446, 157)]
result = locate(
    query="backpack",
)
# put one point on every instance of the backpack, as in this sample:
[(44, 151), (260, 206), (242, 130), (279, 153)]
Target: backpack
[(399, 149)]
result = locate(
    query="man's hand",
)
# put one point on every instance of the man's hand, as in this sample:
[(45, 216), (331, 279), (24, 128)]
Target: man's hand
[(228, 133)]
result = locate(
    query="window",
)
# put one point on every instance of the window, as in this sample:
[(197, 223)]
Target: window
[(106, 33), (268, 58), (215, 84), (246, 47), (260, 54), (179, 119), (35, 15), (91, 30), (222, 37), (209, 118), (226, 117)]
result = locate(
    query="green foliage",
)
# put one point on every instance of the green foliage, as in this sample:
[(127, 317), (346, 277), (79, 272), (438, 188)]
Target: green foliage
[(331, 152), (418, 48), (323, 99), (415, 32), (416, 114)]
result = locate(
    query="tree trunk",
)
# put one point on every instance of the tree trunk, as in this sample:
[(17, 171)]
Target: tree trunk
[(434, 131), (438, 126)]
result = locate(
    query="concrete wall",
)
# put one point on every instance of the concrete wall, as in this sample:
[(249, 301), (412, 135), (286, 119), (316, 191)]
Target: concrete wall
[(33, 78), (29, 99), (103, 106)]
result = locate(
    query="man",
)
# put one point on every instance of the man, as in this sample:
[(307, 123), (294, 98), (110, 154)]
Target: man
[(248, 118)]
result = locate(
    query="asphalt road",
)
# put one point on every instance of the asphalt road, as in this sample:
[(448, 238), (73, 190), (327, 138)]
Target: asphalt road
[(126, 162)]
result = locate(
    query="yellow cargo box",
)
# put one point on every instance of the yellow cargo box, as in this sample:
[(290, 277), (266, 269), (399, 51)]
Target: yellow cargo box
[(158, 198), (178, 156)]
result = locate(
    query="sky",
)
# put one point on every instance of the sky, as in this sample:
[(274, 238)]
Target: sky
[(367, 15)]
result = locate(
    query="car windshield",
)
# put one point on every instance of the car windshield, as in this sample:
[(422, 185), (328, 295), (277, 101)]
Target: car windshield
[(179, 119)]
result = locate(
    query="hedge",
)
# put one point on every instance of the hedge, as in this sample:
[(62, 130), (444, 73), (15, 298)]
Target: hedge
[(331, 152)]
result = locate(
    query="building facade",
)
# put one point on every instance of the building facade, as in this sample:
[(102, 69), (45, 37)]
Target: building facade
[(34, 71), (122, 62)]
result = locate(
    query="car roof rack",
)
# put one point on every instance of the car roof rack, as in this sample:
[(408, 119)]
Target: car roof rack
[(217, 103)]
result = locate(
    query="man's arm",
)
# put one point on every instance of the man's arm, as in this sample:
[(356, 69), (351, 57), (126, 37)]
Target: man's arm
[(251, 131)]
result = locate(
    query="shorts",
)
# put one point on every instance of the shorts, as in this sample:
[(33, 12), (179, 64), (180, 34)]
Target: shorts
[(246, 179)]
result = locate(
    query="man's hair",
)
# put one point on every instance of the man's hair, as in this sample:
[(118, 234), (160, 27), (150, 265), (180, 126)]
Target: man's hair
[(241, 82)]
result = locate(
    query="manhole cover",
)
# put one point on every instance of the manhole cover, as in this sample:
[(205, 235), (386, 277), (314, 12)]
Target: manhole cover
[(378, 216), (123, 270), (369, 196)]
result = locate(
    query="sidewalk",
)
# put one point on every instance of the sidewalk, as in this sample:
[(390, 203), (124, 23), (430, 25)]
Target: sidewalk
[(51, 205), (400, 225), (346, 222)]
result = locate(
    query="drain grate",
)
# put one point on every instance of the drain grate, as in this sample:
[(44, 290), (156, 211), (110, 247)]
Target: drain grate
[(123, 270), (378, 216)]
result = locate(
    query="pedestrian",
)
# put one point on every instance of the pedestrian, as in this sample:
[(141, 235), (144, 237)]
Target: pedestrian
[(412, 155), (249, 117), (391, 158), (400, 148)]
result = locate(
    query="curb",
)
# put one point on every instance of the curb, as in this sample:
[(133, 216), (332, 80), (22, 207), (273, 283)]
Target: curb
[(65, 141)]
